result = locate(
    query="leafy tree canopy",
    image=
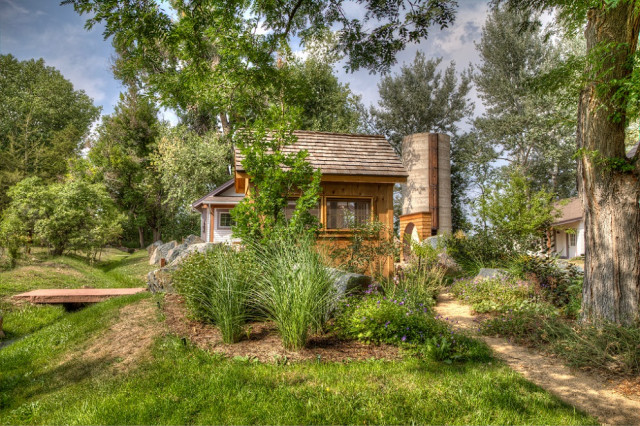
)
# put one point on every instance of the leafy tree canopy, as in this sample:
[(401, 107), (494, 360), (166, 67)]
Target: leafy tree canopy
[(516, 214), (42, 121), (120, 158), (190, 165), (222, 56), (325, 104), (528, 127), (420, 98)]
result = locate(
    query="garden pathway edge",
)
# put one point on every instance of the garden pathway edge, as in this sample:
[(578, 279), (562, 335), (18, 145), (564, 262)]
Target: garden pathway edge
[(574, 387)]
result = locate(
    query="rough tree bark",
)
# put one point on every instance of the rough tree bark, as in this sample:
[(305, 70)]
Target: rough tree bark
[(609, 194)]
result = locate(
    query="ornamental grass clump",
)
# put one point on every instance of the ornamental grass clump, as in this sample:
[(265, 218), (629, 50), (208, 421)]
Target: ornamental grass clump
[(294, 289), (216, 288)]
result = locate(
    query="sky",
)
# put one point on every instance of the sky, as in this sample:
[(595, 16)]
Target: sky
[(44, 29)]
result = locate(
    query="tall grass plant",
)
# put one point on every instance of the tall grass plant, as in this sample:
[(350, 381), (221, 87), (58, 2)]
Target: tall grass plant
[(216, 287), (295, 289)]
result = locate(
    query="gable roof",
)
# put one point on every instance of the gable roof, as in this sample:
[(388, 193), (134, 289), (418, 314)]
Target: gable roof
[(570, 210), (344, 154), (214, 195)]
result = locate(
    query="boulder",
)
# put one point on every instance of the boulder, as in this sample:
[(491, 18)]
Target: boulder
[(436, 242), (175, 252), (192, 239), (161, 252), (160, 280), (487, 273), (349, 282), (193, 248), (152, 247)]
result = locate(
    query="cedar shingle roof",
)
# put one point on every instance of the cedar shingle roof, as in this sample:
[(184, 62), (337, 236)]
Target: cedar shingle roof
[(344, 154), (571, 210)]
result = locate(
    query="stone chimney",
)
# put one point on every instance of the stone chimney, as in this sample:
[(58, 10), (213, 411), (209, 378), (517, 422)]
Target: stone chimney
[(426, 208)]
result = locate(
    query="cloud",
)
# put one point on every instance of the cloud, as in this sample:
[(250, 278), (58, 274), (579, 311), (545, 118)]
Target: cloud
[(56, 34)]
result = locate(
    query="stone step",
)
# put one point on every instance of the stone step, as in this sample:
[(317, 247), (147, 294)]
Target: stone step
[(77, 295)]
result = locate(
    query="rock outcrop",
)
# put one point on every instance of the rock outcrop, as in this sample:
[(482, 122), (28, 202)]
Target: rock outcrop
[(173, 253), (161, 252), (348, 282), (192, 239), (152, 247)]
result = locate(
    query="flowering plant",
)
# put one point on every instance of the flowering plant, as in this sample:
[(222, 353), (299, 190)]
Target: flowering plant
[(377, 318)]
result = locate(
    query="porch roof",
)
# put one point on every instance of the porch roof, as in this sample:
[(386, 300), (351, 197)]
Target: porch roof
[(570, 211)]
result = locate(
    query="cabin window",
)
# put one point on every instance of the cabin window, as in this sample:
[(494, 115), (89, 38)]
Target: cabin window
[(291, 206), (225, 221), (572, 240), (346, 213)]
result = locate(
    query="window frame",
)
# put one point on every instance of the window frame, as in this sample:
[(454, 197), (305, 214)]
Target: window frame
[(325, 210), (573, 239), (219, 213)]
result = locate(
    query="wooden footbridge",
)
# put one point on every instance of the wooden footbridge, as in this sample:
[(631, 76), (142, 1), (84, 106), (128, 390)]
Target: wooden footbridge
[(73, 296)]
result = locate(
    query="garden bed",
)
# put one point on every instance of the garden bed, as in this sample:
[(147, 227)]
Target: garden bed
[(264, 344)]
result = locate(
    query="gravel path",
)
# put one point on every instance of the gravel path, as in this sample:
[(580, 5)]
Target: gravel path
[(586, 392)]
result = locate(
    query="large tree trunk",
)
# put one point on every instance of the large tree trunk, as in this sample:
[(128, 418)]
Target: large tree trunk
[(141, 236), (609, 193)]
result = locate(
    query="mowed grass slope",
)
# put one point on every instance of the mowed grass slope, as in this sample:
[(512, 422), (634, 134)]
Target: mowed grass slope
[(117, 269), (46, 378)]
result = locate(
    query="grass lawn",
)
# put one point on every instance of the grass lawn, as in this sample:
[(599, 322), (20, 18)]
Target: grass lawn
[(116, 269), (44, 379)]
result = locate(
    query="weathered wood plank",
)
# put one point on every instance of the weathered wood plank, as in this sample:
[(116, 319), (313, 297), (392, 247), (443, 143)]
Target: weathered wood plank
[(79, 295)]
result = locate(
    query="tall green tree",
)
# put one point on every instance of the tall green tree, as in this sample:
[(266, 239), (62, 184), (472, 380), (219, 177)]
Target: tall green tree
[(516, 213), (121, 159), (276, 177), (421, 98), (325, 104), (608, 181), (529, 128), (222, 57), (190, 165), (43, 122)]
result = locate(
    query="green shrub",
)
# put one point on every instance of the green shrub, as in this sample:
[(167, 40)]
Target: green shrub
[(557, 284), (476, 251), (216, 288), (420, 281), (418, 285), (370, 246), (377, 318), (294, 289), (500, 294)]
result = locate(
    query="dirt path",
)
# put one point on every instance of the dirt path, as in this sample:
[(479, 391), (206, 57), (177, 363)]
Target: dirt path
[(577, 388)]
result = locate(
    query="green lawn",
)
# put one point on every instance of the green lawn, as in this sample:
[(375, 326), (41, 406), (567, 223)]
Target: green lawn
[(42, 382), (116, 269)]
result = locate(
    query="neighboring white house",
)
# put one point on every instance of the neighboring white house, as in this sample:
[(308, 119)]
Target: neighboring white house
[(568, 230), (216, 221)]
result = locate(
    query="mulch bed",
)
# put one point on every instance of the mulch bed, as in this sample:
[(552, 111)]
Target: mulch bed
[(263, 342)]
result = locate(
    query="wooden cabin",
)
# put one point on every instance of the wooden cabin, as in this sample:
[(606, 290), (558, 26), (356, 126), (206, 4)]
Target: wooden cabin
[(358, 176)]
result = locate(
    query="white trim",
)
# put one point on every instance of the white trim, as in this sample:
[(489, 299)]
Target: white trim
[(231, 203), (207, 237), (218, 214)]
